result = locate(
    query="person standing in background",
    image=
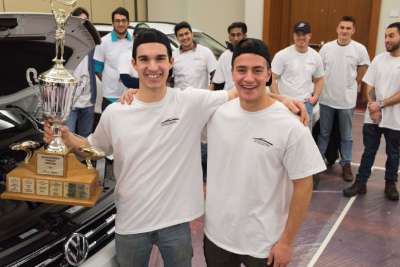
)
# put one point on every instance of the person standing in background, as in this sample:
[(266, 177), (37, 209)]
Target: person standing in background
[(345, 62), (107, 56)]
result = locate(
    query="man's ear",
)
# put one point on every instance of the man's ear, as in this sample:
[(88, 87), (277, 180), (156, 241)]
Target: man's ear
[(133, 62), (171, 60)]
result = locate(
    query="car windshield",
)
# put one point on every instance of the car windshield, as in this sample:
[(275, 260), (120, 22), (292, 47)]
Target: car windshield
[(205, 40)]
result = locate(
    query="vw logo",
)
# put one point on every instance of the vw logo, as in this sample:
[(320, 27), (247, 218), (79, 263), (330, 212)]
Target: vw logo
[(76, 249)]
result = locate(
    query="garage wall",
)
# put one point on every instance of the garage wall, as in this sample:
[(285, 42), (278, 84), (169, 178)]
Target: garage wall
[(208, 15), (100, 10), (390, 12)]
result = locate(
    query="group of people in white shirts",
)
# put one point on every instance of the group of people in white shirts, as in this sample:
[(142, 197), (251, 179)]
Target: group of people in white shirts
[(261, 157)]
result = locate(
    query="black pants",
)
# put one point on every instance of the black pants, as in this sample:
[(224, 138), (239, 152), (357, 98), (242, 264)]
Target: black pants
[(105, 103), (218, 257)]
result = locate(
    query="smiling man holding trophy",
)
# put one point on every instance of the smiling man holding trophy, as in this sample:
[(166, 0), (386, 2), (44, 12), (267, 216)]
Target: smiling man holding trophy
[(53, 174)]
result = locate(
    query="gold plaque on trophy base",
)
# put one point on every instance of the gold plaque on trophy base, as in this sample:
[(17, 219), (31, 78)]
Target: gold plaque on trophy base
[(50, 163), (80, 185)]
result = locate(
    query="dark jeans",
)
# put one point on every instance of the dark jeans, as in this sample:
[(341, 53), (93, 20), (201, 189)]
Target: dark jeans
[(371, 139), (218, 257), (80, 121), (174, 243)]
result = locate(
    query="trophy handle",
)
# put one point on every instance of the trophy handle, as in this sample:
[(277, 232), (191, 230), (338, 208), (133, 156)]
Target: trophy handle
[(32, 71), (91, 153), (27, 147)]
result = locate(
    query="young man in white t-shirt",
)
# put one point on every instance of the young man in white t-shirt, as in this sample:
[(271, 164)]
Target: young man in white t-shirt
[(81, 117), (107, 56), (345, 62), (297, 70), (155, 144), (222, 78), (382, 116), (261, 159), (194, 64)]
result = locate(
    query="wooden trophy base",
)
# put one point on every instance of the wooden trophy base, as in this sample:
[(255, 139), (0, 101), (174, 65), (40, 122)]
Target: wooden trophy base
[(80, 185)]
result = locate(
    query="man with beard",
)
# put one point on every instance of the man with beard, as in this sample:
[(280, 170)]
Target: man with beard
[(223, 74), (107, 56), (297, 70), (345, 62), (382, 116)]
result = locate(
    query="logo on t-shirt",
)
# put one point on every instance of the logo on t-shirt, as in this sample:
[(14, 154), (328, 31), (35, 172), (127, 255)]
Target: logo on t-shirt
[(262, 141), (169, 121)]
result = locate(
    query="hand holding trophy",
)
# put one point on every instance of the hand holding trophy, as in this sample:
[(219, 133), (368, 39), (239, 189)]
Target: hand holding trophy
[(53, 174)]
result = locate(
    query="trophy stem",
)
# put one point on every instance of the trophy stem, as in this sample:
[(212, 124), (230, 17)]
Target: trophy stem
[(57, 145)]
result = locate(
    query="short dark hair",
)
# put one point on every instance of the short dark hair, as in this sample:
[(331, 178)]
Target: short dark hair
[(349, 19), (140, 27), (394, 25), (238, 24), (251, 46), (121, 11), (151, 36), (182, 25), (78, 11)]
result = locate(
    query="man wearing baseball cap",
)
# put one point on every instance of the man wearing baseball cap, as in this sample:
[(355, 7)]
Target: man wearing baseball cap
[(297, 70)]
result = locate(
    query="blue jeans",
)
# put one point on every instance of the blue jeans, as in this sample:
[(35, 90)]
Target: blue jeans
[(327, 115), (174, 243), (309, 108), (80, 121), (371, 138)]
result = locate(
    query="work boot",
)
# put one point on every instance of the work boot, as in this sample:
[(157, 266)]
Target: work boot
[(354, 189), (391, 192), (347, 174)]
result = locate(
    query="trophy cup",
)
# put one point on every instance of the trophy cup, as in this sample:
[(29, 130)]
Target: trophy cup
[(53, 174)]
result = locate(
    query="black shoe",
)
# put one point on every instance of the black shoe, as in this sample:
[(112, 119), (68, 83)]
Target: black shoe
[(347, 173), (391, 192), (354, 189)]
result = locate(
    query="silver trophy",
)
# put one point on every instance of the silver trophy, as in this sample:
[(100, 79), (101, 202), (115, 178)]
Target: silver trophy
[(57, 86)]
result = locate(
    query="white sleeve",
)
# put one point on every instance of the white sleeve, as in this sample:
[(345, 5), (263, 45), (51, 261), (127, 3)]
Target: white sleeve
[(101, 137), (370, 75), (211, 61), (219, 75), (277, 64), (322, 54), (302, 157), (99, 53), (319, 70), (125, 64), (363, 57)]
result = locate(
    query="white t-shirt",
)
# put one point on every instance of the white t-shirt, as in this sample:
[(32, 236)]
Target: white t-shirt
[(340, 64), (296, 71), (192, 68), (84, 93), (252, 158), (223, 73), (125, 64), (384, 75), (156, 148), (109, 52)]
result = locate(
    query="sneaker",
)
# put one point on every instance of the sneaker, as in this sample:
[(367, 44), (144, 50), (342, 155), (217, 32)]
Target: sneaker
[(391, 192), (347, 174), (356, 188)]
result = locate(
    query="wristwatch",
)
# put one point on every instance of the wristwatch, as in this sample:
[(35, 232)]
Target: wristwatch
[(381, 104)]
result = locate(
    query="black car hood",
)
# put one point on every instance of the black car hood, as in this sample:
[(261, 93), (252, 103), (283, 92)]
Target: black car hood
[(27, 40)]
